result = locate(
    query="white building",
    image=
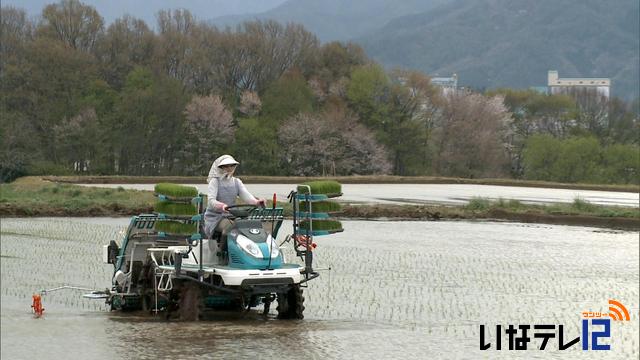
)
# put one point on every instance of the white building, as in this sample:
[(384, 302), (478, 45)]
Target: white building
[(449, 85), (570, 86)]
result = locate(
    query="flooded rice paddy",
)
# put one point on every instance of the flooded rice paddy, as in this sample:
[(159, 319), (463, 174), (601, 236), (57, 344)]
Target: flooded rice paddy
[(448, 194), (396, 290)]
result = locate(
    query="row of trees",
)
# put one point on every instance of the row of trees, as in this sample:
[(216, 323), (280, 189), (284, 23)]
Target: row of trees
[(79, 97), (573, 137), (580, 159)]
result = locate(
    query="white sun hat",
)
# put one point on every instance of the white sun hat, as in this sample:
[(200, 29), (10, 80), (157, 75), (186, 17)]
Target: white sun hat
[(227, 160)]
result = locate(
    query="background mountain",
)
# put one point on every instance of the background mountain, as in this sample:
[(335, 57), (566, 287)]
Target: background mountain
[(488, 43), (146, 10), (337, 19), (513, 43)]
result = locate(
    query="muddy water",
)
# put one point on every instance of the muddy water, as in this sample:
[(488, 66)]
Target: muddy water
[(396, 290)]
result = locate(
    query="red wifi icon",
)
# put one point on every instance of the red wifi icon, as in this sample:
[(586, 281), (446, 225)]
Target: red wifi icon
[(617, 311)]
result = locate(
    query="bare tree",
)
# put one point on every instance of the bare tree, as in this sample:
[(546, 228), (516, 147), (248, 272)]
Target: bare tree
[(229, 62), (317, 87), (358, 151), (552, 114), (623, 123), (15, 30), (593, 112), (201, 74), (208, 126), (417, 100), (128, 42), (175, 43), (73, 23), (271, 49), (339, 87), (250, 103), (306, 144), (337, 60), (331, 143), (471, 136)]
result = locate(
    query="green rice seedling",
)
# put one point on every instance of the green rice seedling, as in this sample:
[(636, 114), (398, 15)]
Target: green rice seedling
[(584, 206), (328, 187), (175, 227), (174, 190), (514, 204), (322, 225), (321, 206), (169, 208), (478, 203), (507, 204)]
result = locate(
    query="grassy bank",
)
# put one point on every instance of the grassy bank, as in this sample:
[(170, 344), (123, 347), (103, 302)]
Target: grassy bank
[(577, 207), (342, 179), (31, 196), (34, 197), (578, 213)]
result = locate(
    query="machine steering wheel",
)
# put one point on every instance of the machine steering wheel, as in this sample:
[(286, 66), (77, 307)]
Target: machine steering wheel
[(241, 210)]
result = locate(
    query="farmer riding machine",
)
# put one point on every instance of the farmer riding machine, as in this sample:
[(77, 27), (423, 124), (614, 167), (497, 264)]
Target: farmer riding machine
[(165, 264)]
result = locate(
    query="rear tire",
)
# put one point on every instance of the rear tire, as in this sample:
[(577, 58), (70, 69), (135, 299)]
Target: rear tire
[(291, 304), (146, 285), (190, 304)]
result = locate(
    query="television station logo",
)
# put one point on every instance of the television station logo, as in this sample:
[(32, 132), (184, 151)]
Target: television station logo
[(596, 328)]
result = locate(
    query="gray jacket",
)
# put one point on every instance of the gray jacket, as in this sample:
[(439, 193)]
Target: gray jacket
[(223, 190)]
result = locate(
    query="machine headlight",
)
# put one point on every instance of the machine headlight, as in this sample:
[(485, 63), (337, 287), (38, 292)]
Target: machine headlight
[(249, 246), (273, 247)]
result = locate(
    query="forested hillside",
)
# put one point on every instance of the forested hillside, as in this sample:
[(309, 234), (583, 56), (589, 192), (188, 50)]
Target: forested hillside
[(78, 96), (334, 20), (513, 43)]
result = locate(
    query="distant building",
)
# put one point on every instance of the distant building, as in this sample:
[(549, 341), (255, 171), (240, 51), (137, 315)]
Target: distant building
[(449, 85), (577, 86)]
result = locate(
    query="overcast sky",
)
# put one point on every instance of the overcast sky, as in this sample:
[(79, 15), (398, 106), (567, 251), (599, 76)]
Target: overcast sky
[(146, 10)]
